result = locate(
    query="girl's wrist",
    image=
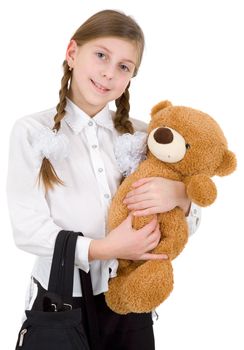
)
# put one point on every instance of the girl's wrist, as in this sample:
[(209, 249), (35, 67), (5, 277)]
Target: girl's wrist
[(185, 205), (184, 202), (98, 250)]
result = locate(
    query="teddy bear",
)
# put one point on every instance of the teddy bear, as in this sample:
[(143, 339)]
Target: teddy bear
[(182, 144)]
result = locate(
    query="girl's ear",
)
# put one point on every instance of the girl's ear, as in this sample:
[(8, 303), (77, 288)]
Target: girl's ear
[(159, 106), (70, 52), (228, 164)]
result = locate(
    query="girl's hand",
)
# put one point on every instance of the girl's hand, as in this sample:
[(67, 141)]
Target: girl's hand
[(153, 195), (124, 242)]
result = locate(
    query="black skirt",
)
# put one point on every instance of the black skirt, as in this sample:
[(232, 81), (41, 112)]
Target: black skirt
[(117, 332)]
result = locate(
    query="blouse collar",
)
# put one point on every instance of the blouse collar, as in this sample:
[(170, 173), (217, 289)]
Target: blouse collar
[(77, 119)]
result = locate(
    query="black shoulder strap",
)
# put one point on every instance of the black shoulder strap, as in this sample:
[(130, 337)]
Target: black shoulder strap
[(62, 278), (90, 310), (57, 268)]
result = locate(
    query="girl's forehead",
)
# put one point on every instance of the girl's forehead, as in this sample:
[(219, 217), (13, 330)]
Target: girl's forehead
[(112, 42)]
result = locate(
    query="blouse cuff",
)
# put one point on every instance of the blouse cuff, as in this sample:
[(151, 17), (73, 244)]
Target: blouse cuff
[(194, 218), (81, 253)]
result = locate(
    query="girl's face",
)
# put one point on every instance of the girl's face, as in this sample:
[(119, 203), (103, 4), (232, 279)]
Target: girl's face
[(102, 69)]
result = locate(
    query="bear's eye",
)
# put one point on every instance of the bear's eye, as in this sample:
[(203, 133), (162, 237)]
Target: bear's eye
[(188, 146)]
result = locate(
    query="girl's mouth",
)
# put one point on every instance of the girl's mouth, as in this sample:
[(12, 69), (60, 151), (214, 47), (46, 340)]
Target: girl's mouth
[(99, 87)]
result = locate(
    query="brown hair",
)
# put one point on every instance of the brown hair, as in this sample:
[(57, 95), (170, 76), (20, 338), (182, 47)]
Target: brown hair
[(102, 24)]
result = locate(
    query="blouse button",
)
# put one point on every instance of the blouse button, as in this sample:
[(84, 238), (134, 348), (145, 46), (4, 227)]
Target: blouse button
[(106, 195), (94, 146), (100, 170), (90, 123)]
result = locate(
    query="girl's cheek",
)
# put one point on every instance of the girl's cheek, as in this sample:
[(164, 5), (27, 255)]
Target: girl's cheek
[(126, 82)]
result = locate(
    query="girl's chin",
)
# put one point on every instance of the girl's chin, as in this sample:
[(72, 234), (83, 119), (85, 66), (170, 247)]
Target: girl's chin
[(96, 102)]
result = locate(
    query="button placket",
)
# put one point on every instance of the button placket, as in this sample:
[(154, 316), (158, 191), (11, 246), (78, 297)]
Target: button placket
[(97, 163)]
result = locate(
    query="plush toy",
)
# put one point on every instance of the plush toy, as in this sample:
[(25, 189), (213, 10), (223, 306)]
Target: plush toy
[(187, 145)]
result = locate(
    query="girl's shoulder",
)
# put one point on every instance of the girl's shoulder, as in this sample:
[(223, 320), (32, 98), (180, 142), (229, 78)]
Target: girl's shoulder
[(36, 121), (32, 135), (28, 128), (138, 124)]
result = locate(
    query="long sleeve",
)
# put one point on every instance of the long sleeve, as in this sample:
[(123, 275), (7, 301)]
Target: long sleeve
[(34, 230), (194, 218)]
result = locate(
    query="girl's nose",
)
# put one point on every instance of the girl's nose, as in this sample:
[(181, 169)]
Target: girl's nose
[(108, 73)]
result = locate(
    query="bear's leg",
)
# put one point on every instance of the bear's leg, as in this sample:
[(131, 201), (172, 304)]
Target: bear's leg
[(114, 297), (147, 286), (150, 284)]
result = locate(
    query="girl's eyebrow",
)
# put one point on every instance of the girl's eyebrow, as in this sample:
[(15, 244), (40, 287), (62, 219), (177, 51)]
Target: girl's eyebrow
[(106, 49)]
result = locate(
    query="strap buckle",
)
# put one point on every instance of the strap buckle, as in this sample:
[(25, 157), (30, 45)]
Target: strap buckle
[(66, 307)]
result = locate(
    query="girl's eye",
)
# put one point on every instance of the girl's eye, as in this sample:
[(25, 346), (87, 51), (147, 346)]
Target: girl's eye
[(100, 54), (124, 67)]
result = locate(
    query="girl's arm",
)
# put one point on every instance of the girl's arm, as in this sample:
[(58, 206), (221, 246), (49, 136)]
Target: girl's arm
[(124, 242), (150, 196), (33, 227), (155, 195)]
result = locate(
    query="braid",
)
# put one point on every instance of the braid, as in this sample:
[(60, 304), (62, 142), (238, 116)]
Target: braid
[(121, 120), (47, 172), (62, 96)]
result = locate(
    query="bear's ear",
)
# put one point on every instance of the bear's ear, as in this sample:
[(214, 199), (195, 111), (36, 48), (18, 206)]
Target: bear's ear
[(228, 164), (159, 106)]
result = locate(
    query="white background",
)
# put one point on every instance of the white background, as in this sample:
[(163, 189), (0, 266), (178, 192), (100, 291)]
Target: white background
[(194, 57)]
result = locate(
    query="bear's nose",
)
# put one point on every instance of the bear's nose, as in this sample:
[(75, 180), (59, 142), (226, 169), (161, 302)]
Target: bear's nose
[(163, 135)]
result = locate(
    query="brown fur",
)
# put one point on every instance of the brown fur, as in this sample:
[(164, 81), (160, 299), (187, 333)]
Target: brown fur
[(140, 286)]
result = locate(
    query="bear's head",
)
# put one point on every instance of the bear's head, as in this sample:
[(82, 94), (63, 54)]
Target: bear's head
[(189, 141)]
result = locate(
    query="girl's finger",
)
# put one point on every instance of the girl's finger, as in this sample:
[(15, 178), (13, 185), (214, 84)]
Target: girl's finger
[(150, 256), (142, 181), (137, 191), (148, 228), (141, 205), (129, 219), (148, 211), (136, 198), (154, 237)]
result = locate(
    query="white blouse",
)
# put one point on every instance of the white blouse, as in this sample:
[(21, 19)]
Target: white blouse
[(91, 175)]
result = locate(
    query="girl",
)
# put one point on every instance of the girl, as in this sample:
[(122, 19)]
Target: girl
[(77, 174)]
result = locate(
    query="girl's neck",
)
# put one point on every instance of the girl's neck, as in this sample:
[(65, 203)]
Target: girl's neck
[(88, 109)]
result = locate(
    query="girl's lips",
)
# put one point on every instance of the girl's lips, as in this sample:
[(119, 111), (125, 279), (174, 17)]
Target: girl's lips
[(99, 87)]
